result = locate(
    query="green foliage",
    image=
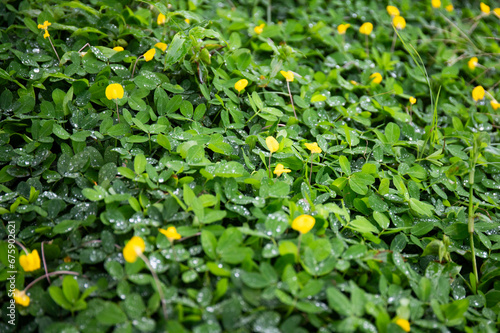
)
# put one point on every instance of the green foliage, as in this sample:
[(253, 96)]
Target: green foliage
[(405, 196)]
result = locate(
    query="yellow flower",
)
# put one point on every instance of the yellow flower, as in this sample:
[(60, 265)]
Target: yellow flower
[(171, 233), (161, 46), (303, 223), (392, 10), (67, 259), (399, 22), (21, 298), (376, 77), (496, 11), (133, 249), (114, 91), (288, 75), (272, 144), (187, 21), (485, 8), (45, 25), (240, 85), (413, 100), (436, 3), (449, 8), (404, 324), (258, 29), (478, 93), (353, 82), (313, 147), (366, 28), (280, 169), (46, 34), (161, 19), (342, 28), (30, 262), (472, 63), (118, 48), (150, 54), (494, 104)]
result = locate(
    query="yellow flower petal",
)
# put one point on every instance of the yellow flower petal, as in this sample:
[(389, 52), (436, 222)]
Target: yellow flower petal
[(259, 29), (171, 233), (413, 100), (272, 144), (161, 46), (436, 3), (21, 298), (46, 34), (494, 104), (45, 25), (288, 75), (392, 10), (472, 63), (303, 223), (114, 91), (484, 8), (30, 262), (376, 77), (150, 54), (366, 28), (313, 147), (404, 324), (478, 93), (161, 19), (240, 85), (449, 8), (342, 28), (399, 22), (187, 21), (496, 11), (133, 249), (280, 169), (118, 48)]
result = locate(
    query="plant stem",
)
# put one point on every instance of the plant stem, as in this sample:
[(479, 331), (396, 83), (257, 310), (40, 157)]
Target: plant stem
[(158, 286), (366, 45), (291, 99), (311, 172), (45, 264), (298, 246), (118, 114), (22, 246), (136, 60), (53, 47), (270, 174), (470, 226), (394, 41), (268, 12), (49, 274)]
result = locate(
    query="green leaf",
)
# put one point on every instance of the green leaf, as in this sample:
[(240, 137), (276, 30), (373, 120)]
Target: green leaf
[(70, 288), (421, 208), (345, 165), (140, 164), (111, 314), (338, 302), (209, 243), (58, 296), (392, 133)]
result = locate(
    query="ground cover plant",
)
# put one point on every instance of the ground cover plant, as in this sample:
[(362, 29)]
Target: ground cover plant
[(249, 166)]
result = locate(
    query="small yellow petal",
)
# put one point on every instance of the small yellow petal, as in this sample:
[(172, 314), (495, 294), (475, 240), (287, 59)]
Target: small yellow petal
[(46, 34), (171, 233), (240, 85), (484, 8), (272, 144), (496, 11), (399, 22), (436, 3), (133, 249), (161, 19), (313, 147), (472, 63), (259, 29), (303, 223), (404, 324), (149, 54), (114, 91), (366, 28), (118, 48), (392, 10), (413, 100), (280, 169), (376, 77), (21, 298), (289, 76), (30, 262), (187, 21), (449, 8), (478, 93), (161, 46), (494, 104), (342, 28)]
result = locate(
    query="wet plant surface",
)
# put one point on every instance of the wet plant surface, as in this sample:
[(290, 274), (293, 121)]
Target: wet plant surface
[(253, 166)]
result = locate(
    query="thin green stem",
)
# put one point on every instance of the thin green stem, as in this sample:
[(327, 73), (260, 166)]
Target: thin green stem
[(270, 174), (366, 45), (117, 113), (136, 60), (291, 99), (470, 225), (50, 274), (311, 172), (394, 41), (158, 285), (22, 247), (53, 47)]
